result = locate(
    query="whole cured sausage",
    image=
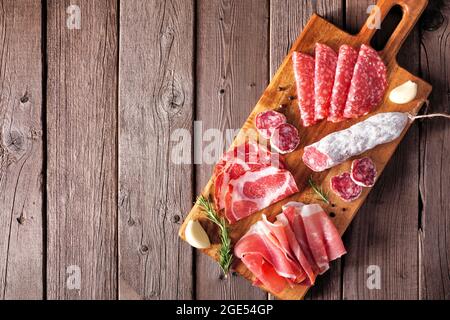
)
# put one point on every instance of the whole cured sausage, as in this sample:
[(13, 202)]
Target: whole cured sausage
[(339, 146)]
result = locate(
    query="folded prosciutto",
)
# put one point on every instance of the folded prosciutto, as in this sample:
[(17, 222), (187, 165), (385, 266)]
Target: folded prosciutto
[(250, 178), (294, 249)]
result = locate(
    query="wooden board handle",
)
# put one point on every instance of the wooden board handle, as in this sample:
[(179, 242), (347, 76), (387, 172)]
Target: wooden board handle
[(412, 9)]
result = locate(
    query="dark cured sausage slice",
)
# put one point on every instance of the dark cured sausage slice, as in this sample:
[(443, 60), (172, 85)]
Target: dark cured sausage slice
[(267, 121), (304, 78), (363, 172), (285, 138), (325, 68), (344, 72), (345, 187), (369, 82)]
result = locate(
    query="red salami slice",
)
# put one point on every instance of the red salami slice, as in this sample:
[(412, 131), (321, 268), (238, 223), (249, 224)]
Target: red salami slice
[(369, 82), (267, 121), (344, 72), (363, 172), (324, 72), (345, 188), (285, 138), (304, 78)]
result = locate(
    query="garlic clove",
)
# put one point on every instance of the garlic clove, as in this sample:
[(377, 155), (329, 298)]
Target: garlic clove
[(404, 93), (196, 236)]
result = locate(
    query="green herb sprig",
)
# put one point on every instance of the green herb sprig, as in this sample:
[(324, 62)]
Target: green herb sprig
[(319, 191), (225, 255)]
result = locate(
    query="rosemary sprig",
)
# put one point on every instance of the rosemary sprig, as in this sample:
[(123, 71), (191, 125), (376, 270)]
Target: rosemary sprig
[(319, 191), (225, 255)]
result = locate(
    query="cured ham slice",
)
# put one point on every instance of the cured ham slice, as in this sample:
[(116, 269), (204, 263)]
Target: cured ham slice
[(256, 190), (265, 273), (232, 170), (249, 156), (304, 78), (258, 241), (325, 68), (294, 249), (369, 82), (321, 235)]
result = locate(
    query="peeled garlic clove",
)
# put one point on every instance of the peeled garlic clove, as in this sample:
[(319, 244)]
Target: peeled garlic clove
[(404, 93), (196, 236)]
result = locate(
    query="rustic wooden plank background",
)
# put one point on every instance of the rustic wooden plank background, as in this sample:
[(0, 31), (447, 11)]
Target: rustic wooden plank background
[(21, 151), (82, 150), (90, 118)]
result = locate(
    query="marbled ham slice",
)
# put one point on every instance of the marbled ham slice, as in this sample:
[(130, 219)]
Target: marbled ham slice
[(256, 190), (249, 156)]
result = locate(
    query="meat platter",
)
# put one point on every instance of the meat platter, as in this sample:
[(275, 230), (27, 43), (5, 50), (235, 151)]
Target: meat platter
[(284, 94)]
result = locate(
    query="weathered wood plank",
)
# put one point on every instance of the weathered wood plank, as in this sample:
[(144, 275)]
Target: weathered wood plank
[(435, 152), (82, 170), (384, 234), (21, 153), (232, 71), (155, 102), (287, 18)]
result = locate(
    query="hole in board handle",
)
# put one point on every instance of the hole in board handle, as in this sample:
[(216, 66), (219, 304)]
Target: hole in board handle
[(388, 26)]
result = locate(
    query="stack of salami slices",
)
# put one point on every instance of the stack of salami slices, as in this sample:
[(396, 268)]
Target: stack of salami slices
[(338, 86), (249, 178), (294, 249)]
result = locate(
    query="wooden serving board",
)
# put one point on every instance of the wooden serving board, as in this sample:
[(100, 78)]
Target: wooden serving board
[(278, 92)]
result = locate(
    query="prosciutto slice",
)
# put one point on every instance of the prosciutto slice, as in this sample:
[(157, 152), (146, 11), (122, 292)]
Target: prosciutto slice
[(315, 230), (256, 190), (294, 249)]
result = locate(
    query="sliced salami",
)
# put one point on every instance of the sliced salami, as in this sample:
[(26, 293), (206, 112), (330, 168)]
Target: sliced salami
[(369, 83), (344, 72), (345, 187), (304, 78), (267, 121), (285, 138), (364, 172), (325, 69)]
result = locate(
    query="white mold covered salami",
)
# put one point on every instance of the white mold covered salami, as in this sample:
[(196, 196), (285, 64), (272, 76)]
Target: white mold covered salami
[(364, 172), (339, 146), (285, 138), (267, 121), (345, 187)]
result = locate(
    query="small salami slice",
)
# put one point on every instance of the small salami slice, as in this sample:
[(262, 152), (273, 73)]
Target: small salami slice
[(325, 69), (344, 72), (369, 82), (285, 138), (304, 78), (345, 187), (363, 172), (267, 121)]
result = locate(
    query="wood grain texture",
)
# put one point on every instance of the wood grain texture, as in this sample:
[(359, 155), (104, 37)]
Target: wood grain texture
[(155, 103), (384, 233), (21, 154), (82, 131), (319, 30), (232, 71), (287, 19), (435, 152)]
